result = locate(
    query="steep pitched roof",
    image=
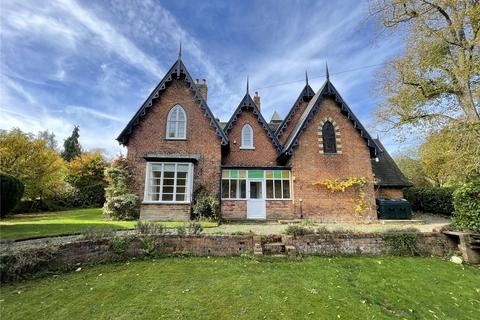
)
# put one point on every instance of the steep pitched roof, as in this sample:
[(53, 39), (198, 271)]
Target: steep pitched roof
[(176, 71), (305, 95), (248, 104), (327, 90), (387, 171), (275, 117)]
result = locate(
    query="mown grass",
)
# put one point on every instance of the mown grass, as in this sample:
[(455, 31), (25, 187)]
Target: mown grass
[(42, 224), (236, 288)]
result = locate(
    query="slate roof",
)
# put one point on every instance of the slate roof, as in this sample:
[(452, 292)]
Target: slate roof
[(327, 90), (305, 95), (386, 170), (178, 71), (248, 104)]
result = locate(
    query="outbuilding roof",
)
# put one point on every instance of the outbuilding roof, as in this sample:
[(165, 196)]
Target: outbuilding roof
[(386, 170)]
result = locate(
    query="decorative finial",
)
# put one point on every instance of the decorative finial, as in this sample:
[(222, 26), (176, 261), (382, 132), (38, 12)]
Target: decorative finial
[(326, 67), (306, 77), (248, 87), (180, 51)]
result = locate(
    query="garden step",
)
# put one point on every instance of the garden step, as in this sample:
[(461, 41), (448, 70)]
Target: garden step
[(257, 250), (274, 248)]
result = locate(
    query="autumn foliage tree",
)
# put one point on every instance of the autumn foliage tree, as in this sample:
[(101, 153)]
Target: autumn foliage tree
[(30, 160), (86, 175)]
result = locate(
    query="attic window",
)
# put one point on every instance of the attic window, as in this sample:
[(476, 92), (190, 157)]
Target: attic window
[(328, 134), (247, 137), (176, 123)]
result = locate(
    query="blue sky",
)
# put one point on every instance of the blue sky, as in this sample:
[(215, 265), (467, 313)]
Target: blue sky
[(92, 63)]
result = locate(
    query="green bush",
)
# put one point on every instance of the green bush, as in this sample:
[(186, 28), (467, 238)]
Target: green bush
[(295, 230), (181, 230), (119, 244), (11, 191), (18, 263), (434, 200), (148, 227), (148, 245), (195, 228), (121, 201), (466, 200), (403, 242), (205, 205)]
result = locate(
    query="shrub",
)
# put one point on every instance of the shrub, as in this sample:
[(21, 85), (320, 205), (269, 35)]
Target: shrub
[(119, 244), (403, 242), (181, 230), (295, 230), (205, 205), (308, 223), (121, 201), (148, 245), (92, 233), (195, 228), (11, 191), (466, 200), (147, 227), (432, 200), (16, 263)]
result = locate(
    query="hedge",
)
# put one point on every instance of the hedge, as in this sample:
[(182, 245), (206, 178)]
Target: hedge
[(434, 200), (466, 200), (11, 191)]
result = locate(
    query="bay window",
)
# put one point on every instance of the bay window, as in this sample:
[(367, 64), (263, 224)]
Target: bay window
[(168, 182)]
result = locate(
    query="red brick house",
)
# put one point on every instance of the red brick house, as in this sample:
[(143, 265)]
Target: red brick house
[(258, 169)]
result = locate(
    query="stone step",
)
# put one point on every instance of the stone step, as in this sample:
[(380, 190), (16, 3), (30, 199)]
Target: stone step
[(257, 250), (274, 248)]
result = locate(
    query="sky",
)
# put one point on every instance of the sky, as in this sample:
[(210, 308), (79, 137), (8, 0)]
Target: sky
[(93, 63)]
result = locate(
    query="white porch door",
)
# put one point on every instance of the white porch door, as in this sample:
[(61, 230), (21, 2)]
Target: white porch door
[(256, 205)]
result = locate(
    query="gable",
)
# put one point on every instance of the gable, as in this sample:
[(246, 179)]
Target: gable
[(326, 91), (287, 125), (177, 71), (247, 105)]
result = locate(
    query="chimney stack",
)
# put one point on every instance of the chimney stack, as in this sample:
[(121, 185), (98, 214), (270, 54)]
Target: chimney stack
[(202, 87), (256, 99)]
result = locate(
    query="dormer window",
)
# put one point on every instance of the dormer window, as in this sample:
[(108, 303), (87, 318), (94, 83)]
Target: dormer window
[(247, 137), (176, 123)]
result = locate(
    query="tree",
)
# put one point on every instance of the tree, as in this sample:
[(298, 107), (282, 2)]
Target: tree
[(412, 168), (28, 159), (86, 175), (448, 158), (11, 192), (49, 138), (437, 80), (71, 146)]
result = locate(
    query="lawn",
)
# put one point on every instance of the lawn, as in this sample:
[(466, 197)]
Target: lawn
[(229, 288), (43, 224)]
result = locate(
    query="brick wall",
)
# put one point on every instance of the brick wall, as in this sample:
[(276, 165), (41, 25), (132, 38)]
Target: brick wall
[(234, 209), (165, 212), (149, 137), (264, 153), (389, 193), (280, 209), (296, 116), (309, 165)]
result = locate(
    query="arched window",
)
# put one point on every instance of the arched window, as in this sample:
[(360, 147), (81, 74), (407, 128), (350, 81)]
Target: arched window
[(328, 134), (247, 137), (176, 123)]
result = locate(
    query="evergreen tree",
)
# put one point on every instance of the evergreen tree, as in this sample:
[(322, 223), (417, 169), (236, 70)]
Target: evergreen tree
[(71, 146)]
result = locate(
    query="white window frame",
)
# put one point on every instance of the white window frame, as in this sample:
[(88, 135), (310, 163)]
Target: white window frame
[(176, 122), (245, 146), (264, 183), (188, 184)]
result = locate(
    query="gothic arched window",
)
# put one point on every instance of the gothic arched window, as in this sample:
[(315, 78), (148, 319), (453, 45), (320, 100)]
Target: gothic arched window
[(328, 134), (247, 137), (176, 123)]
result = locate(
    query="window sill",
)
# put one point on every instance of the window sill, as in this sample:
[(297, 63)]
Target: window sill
[(177, 139), (247, 148)]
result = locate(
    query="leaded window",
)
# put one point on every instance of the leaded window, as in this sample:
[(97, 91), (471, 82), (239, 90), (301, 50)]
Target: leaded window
[(328, 134)]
